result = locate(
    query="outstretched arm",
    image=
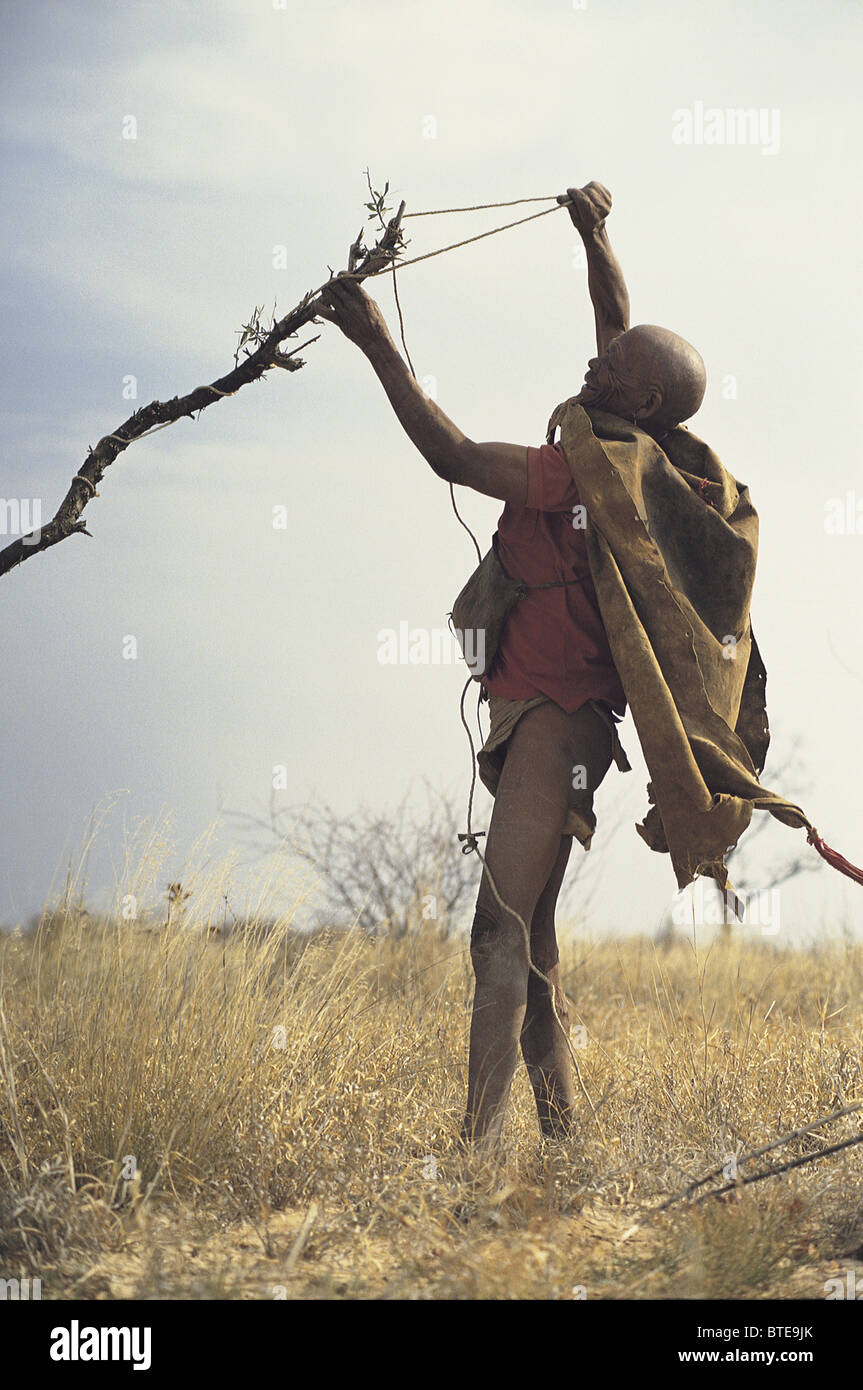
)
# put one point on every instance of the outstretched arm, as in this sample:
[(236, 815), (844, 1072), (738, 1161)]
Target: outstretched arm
[(588, 208), (497, 470)]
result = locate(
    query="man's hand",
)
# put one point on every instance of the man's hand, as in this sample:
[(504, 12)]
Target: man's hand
[(345, 303), (588, 206)]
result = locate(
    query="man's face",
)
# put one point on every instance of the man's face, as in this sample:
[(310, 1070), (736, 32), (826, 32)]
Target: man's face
[(614, 381)]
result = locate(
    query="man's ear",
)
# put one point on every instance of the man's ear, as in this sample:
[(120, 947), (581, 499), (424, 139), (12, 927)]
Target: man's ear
[(652, 404)]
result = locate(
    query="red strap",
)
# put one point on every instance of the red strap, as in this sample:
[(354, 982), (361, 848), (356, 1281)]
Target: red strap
[(834, 859), (703, 485)]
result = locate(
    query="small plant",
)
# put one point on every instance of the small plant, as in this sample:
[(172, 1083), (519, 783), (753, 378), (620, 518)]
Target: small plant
[(177, 898), (254, 331), (377, 207)]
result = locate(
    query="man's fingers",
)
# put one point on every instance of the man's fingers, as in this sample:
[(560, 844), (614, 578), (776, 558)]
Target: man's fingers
[(344, 302), (598, 195)]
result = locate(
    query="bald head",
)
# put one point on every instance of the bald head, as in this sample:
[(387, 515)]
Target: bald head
[(649, 375)]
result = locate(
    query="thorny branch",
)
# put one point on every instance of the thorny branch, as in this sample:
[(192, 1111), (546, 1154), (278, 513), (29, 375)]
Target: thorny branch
[(767, 1148), (266, 353)]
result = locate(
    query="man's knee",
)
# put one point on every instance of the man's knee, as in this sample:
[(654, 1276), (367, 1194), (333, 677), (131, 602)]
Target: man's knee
[(545, 957), (543, 938), (547, 984), (498, 949)]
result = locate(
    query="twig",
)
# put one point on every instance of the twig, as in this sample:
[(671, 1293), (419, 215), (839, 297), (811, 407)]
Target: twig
[(757, 1153), (783, 1168), (302, 1237)]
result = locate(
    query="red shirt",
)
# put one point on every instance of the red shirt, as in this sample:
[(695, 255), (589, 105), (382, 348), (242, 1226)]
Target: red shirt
[(553, 641)]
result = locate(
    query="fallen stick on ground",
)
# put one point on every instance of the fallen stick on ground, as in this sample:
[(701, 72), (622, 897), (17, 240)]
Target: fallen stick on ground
[(766, 1148)]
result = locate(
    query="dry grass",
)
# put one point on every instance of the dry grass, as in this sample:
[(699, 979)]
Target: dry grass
[(263, 1114)]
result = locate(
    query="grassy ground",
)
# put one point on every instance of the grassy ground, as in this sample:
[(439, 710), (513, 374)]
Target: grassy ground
[(263, 1115)]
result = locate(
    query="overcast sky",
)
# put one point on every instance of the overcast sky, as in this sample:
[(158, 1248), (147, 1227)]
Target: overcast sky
[(141, 257)]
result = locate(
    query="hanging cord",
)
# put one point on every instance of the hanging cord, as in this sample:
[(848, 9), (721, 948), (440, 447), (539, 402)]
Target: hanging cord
[(469, 839), (463, 523), (459, 518)]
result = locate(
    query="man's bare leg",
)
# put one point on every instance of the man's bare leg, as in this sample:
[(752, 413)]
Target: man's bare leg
[(531, 804), (545, 1029)]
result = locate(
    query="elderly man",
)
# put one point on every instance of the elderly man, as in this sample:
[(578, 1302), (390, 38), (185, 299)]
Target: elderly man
[(553, 686)]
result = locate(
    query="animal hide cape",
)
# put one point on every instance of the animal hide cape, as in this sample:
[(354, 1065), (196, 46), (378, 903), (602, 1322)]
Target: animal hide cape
[(672, 541)]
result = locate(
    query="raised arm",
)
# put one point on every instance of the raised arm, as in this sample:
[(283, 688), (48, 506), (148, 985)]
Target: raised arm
[(497, 470), (588, 208)]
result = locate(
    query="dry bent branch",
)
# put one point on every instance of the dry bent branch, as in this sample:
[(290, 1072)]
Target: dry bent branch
[(67, 520)]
